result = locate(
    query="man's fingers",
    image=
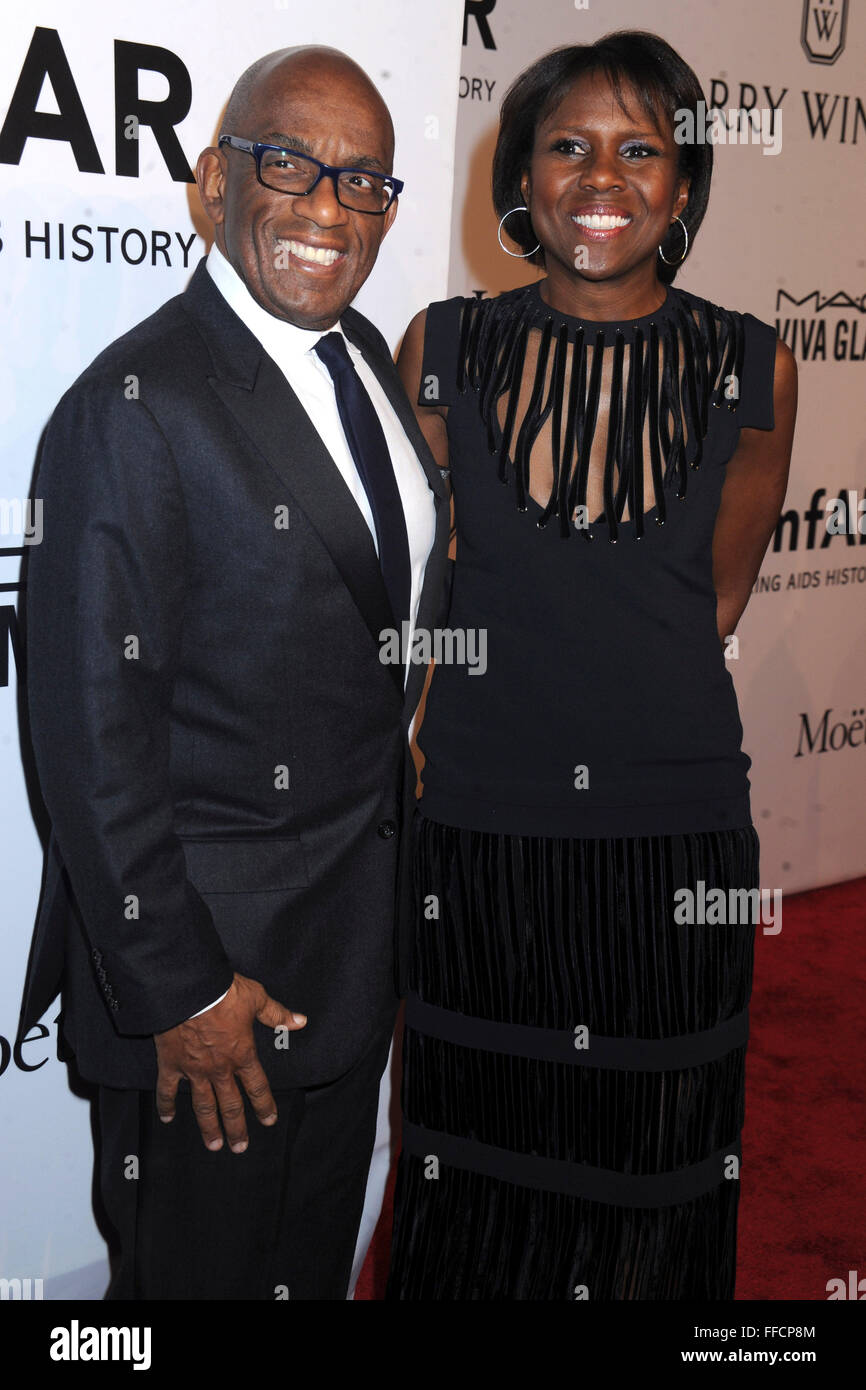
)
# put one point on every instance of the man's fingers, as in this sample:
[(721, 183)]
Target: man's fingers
[(232, 1114), (166, 1095), (214, 1049), (205, 1108), (275, 1015), (255, 1083)]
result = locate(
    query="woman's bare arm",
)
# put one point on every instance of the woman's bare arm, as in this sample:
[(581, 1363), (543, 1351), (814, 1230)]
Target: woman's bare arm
[(431, 418), (756, 477)]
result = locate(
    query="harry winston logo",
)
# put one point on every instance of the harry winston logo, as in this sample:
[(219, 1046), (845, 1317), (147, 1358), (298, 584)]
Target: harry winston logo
[(823, 30)]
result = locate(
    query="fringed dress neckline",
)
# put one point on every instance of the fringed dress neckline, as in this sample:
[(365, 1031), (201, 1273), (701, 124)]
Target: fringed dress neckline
[(669, 368)]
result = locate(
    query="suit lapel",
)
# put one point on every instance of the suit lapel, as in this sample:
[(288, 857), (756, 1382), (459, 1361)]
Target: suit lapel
[(278, 425), (252, 387)]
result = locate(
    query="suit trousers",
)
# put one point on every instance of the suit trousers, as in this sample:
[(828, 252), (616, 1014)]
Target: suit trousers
[(278, 1221)]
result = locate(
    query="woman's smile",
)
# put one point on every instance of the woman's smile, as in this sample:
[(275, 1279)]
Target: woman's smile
[(600, 223)]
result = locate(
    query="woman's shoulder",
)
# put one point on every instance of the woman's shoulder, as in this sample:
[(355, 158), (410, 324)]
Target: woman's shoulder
[(446, 324), (457, 305), (460, 305), (439, 336), (697, 303), (429, 325), (759, 357)]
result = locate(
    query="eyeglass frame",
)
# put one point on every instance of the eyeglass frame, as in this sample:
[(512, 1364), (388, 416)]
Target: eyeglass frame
[(326, 171)]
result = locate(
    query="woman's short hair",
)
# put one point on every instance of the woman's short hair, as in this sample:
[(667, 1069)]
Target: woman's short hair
[(664, 85)]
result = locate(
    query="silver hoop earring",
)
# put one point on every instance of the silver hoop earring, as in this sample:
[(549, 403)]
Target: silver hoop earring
[(518, 255), (685, 248)]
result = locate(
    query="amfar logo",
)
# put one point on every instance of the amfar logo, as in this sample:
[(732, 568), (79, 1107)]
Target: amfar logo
[(823, 30), (10, 639), (479, 10), (46, 64), (839, 515)]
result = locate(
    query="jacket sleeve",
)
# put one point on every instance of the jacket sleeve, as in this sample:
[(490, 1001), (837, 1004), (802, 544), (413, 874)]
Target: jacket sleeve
[(106, 589)]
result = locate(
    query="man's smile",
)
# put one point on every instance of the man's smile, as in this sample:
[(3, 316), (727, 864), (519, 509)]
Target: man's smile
[(311, 256)]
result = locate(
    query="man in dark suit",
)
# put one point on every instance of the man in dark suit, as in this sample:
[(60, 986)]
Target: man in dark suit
[(237, 503)]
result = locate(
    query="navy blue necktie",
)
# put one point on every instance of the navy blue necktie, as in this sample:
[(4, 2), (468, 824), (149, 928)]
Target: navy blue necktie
[(366, 440)]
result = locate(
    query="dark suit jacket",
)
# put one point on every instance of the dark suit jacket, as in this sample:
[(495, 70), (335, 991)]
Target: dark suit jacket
[(222, 754)]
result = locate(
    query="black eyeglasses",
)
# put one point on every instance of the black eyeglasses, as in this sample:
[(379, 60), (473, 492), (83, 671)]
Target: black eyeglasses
[(296, 174)]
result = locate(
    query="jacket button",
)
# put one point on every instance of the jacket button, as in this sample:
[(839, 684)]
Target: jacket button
[(387, 828)]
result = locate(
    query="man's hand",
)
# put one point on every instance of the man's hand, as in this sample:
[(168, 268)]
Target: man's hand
[(210, 1051)]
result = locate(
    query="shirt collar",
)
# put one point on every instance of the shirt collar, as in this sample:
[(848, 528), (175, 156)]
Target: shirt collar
[(281, 340)]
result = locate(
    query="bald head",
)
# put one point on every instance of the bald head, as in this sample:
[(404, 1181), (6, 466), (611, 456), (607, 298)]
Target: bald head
[(311, 64), (302, 256)]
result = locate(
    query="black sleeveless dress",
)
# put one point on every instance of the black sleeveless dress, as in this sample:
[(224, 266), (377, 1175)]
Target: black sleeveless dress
[(574, 1054)]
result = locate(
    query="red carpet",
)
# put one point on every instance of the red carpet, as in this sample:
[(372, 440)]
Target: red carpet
[(804, 1143)]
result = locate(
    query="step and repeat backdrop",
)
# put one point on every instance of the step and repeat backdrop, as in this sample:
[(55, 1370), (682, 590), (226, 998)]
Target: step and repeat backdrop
[(97, 231), (782, 239)]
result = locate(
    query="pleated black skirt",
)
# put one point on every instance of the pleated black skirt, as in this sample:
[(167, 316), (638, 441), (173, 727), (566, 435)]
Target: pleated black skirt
[(573, 1083)]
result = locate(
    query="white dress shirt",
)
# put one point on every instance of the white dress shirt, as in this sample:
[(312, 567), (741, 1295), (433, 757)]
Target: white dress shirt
[(292, 349)]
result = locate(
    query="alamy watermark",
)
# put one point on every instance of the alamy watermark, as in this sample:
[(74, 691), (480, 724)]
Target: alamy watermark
[(731, 907), (21, 1289), (22, 516), (447, 646), (741, 125), (77, 1343)]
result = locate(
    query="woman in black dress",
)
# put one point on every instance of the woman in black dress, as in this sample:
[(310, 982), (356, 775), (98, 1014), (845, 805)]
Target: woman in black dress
[(574, 1053)]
